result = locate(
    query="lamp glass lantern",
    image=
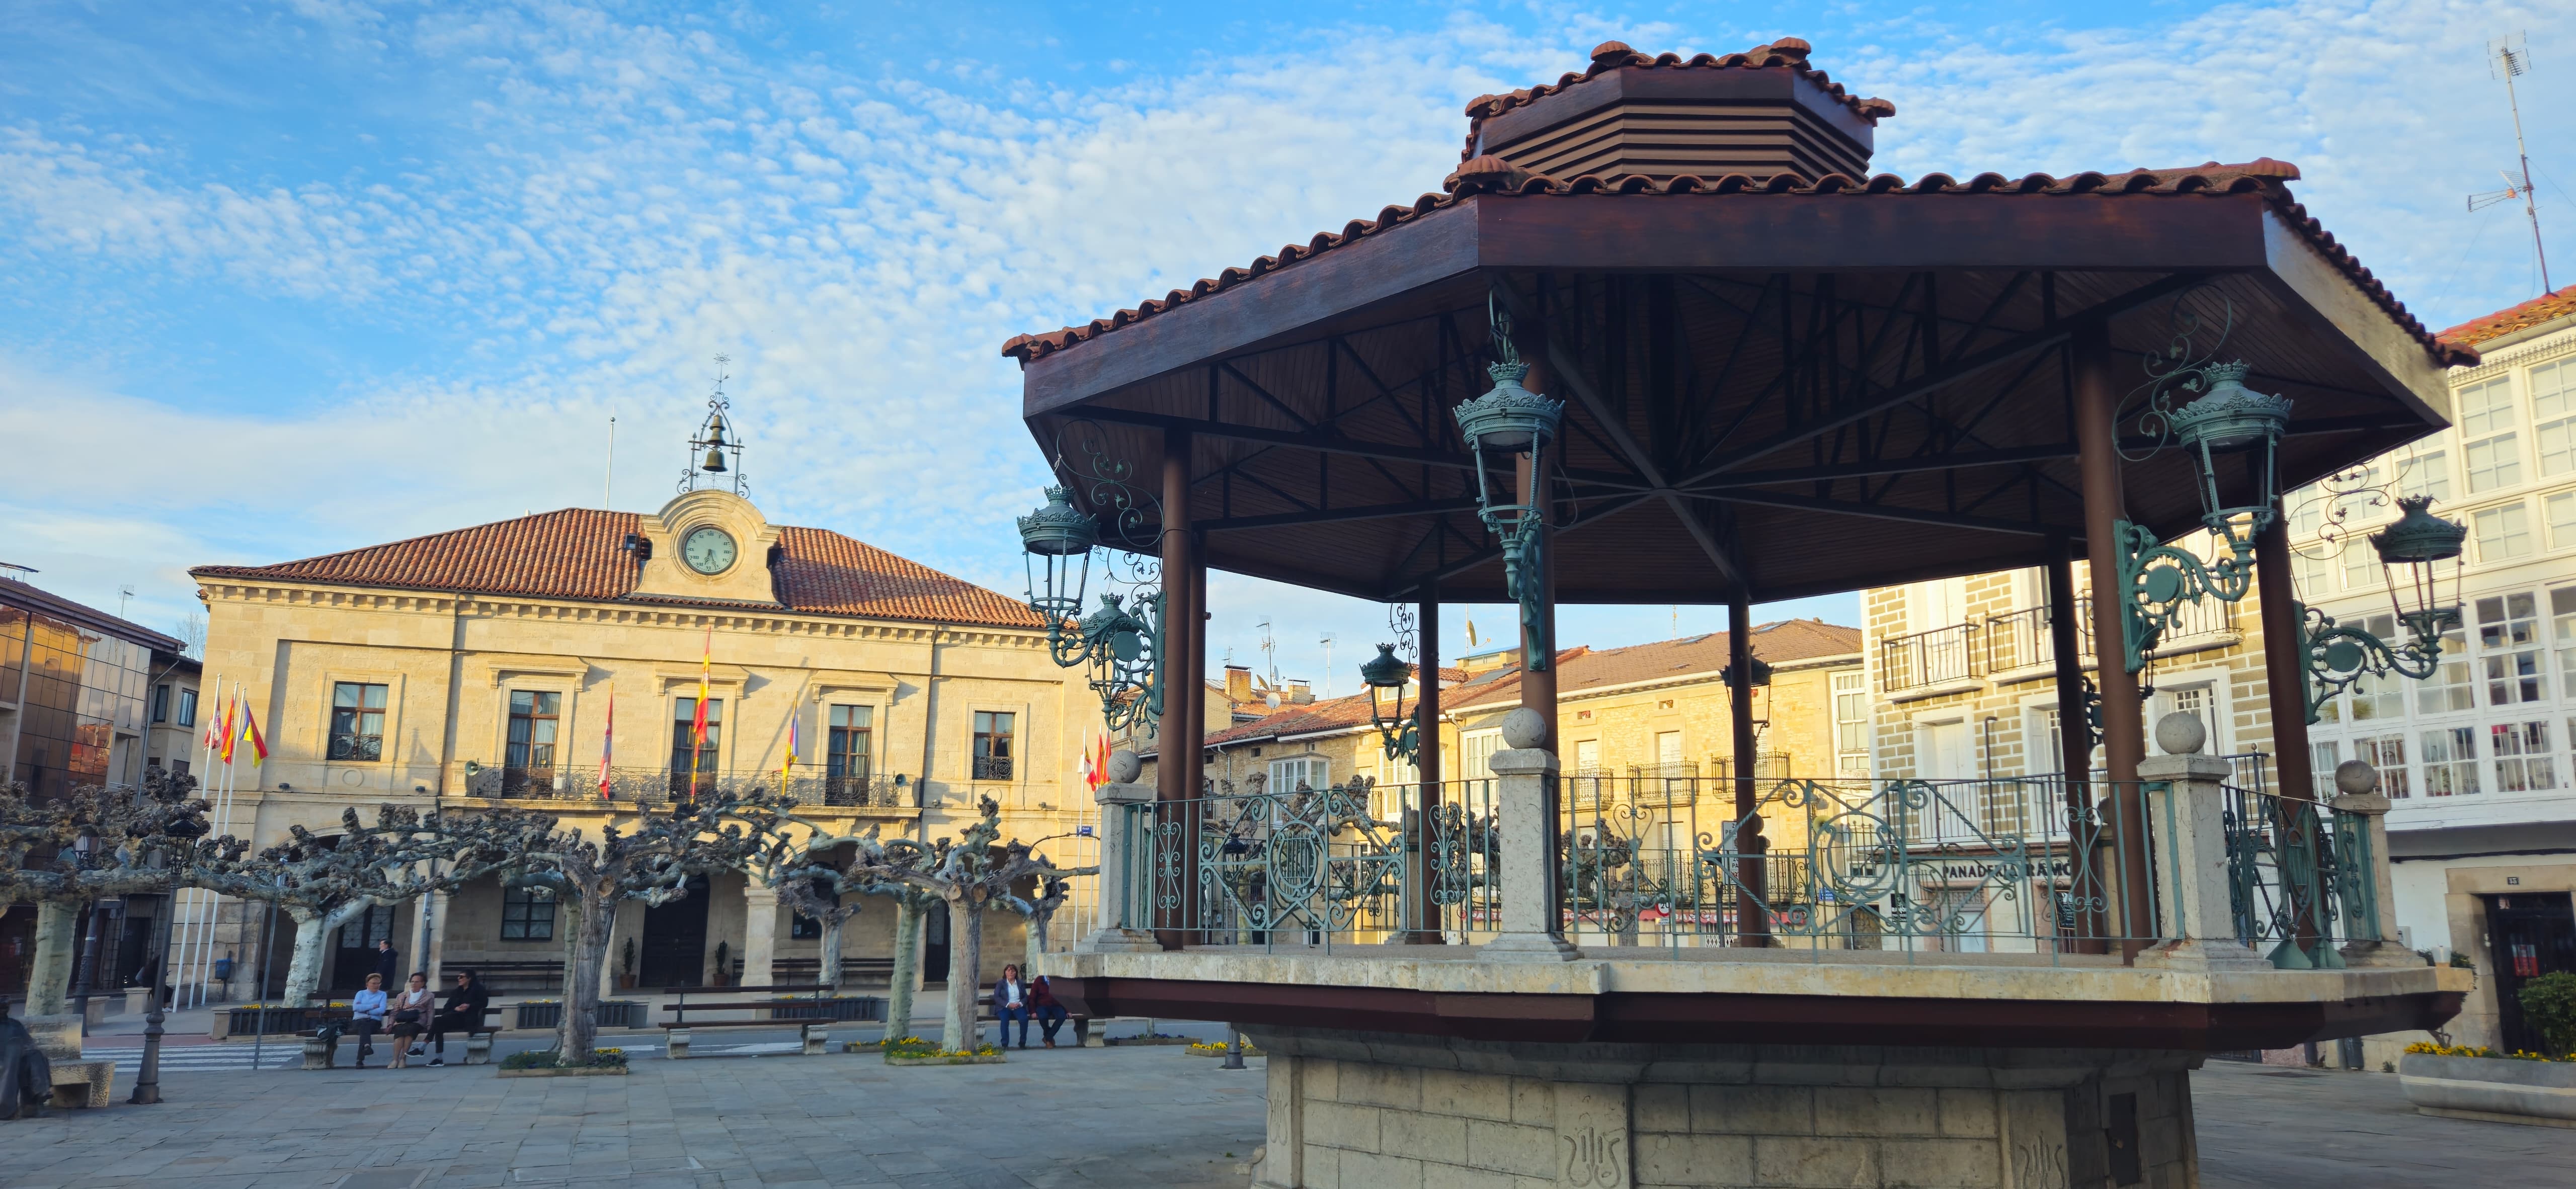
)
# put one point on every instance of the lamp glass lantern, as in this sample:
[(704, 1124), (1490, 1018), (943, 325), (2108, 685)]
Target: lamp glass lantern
[(1058, 538), (2230, 418), (2411, 553), (1387, 676), (1513, 421)]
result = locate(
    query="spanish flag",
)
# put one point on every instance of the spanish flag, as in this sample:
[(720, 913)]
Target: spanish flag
[(250, 735), (698, 723), (785, 769), (227, 736)]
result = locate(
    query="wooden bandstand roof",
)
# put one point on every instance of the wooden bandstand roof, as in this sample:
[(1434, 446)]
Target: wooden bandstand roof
[(1778, 383)]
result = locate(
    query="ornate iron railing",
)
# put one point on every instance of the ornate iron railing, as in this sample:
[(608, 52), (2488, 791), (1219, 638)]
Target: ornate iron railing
[(992, 767), (2007, 865), (807, 784), (1925, 659), (2025, 639)]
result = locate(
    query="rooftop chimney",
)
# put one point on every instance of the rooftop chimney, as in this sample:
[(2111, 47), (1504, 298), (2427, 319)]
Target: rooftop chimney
[(1238, 684)]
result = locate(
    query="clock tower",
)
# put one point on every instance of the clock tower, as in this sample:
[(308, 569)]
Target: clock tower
[(709, 542)]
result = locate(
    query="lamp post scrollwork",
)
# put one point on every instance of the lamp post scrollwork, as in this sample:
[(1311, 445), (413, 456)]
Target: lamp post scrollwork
[(2337, 655), (2158, 581), (1121, 640)]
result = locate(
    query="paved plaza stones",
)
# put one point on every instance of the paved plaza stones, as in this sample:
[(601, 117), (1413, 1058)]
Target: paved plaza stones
[(1068, 1117)]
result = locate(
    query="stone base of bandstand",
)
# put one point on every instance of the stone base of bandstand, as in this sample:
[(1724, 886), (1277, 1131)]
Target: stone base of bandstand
[(1368, 1110)]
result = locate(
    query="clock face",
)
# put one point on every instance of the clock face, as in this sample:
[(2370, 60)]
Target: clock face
[(707, 550)]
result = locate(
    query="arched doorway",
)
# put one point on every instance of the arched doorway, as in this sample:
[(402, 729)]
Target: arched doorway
[(675, 940)]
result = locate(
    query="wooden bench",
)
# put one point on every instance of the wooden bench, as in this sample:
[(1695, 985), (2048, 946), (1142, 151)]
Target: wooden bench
[(512, 978), (813, 1033), (874, 970), (322, 1044)]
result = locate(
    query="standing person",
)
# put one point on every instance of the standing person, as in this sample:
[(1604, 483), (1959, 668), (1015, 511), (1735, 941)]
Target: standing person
[(408, 1015), (388, 963), (463, 1013), (1042, 1004), (367, 1017), (1011, 1002)]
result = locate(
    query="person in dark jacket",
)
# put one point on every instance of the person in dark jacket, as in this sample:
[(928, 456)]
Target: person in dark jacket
[(26, 1077), (1042, 1003), (463, 1013), (389, 963), (1011, 1002)]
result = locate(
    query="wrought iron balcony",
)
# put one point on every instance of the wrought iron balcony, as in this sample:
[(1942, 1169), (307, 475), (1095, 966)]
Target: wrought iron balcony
[(807, 784), (361, 749), (1927, 660), (992, 767), (2026, 639)]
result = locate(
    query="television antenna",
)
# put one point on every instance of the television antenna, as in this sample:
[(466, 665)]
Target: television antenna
[(1328, 640), (124, 595), (1270, 654), (2508, 57)]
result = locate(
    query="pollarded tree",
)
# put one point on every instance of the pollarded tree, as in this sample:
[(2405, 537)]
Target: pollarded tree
[(969, 876), (59, 853), (324, 881), (800, 871), (651, 860)]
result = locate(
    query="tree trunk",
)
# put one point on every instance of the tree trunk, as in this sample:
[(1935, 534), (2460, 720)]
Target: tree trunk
[(959, 1030), (581, 979), (827, 970), (312, 928), (907, 963), (49, 980)]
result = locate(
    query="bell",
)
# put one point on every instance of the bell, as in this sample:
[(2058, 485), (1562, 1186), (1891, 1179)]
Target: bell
[(714, 465)]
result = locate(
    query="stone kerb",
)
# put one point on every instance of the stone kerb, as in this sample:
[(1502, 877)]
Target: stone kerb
[(2188, 818)]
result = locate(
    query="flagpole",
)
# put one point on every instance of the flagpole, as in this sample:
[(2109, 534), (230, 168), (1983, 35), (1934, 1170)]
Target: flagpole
[(183, 924), (223, 818), (204, 926)]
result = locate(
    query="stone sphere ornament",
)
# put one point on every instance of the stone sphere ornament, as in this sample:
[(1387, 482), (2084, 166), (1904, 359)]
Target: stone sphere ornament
[(2181, 734), (1124, 767), (2356, 778), (1524, 728)]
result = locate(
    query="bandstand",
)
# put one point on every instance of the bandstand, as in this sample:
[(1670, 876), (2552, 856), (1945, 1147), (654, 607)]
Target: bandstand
[(1660, 338)]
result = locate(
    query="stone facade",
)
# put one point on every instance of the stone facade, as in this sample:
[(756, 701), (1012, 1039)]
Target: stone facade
[(1349, 1109), (584, 611)]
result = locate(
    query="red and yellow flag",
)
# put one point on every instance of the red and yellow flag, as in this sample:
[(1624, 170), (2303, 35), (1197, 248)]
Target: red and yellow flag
[(607, 744), (250, 735), (698, 723), (227, 736)]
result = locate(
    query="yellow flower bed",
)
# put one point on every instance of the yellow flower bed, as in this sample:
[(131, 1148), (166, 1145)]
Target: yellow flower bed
[(2482, 1051)]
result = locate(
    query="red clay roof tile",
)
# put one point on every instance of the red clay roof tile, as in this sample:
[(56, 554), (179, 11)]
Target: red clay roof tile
[(578, 553), (2531, 313), (1789, 52), (1773, 643)]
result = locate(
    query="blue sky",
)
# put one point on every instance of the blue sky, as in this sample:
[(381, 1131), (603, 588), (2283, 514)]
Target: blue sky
[(282, 278)]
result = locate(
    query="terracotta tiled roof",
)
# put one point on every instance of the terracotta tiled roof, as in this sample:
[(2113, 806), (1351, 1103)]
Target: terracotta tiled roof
[(1787, 52), (1331, 714), (2531, 313), (1773, 643), (1493, 177), (578, 553)]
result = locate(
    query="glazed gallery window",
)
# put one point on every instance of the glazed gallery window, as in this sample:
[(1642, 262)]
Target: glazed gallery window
[(2553, 415), (2451, 762), (847, 746), (993, 744), (684, 715), (2522, 759), (2502, 533), (357, 721), (527, 913), (2486, 425), (2428, 474), (2448, 688), (533, 718), (1303, 772), (2322, 758), (2509, 649), (2387, 754)]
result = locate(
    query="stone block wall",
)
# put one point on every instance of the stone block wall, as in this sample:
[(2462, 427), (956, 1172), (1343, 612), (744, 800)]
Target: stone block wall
[(1348, 1110)]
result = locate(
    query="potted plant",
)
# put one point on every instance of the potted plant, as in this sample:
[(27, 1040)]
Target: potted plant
[(626, 965), (724, 962), (2474, 1082)]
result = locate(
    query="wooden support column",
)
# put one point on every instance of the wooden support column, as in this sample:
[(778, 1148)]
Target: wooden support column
[(1538, 688), (1196, 662), (1752, 923), (2074, 737), (2124, 739), (1176, 772), (1426, 730), (2285, 669)]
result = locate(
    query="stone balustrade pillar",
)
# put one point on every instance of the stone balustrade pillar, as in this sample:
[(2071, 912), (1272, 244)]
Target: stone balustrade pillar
[(2188, 819), (2358, 785), (1126, 875), (1533, 930)]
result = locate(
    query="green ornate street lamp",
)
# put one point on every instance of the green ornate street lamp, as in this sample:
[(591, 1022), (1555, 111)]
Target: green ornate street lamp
[(1516, 423), (1122, 644), (2159, 580), (2411, 553), (1386, 677)]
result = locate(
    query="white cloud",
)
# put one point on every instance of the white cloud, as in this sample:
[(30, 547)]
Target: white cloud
[(610, 202)]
